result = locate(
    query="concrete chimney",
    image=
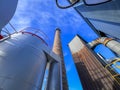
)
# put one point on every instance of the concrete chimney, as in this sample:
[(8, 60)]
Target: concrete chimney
[(57, 49)]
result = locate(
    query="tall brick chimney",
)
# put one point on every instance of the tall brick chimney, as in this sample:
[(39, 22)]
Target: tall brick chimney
[(57, 49)]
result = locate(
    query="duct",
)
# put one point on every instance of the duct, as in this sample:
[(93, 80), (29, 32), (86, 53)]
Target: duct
[(101, 40), (74, 2), (109, 42), (114, 45)]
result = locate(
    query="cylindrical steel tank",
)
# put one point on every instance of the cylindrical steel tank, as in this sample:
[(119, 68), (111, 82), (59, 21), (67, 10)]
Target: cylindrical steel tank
[(22, 62), (54, 80)]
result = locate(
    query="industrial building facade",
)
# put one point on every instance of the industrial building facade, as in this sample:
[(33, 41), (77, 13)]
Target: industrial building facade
[(92, 73)]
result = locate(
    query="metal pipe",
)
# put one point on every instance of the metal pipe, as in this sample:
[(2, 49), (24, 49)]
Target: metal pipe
[(54, 75), (12, 27), (73, 2), (114, 45), (5, 38), (109, 42), (46, 76)]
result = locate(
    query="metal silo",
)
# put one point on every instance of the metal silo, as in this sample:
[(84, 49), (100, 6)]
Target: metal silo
[(22, 62)]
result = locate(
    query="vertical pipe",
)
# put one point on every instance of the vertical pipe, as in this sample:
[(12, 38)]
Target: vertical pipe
[(54, 77)]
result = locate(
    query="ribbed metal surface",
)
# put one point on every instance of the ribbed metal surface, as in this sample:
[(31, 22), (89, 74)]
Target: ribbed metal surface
[(92, 74), (22, 63), (114, 45)]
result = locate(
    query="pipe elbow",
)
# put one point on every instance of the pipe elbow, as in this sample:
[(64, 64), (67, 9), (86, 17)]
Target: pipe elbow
[(101, 40), (104, 40)]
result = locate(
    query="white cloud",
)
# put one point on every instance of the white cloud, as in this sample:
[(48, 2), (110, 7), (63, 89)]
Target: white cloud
[(44, 14)]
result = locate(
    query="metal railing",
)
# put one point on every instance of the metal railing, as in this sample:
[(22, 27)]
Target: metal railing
[(7, 33), (37, 32)]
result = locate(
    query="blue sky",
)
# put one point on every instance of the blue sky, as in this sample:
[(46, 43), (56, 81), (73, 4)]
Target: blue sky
[(44, 15)]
